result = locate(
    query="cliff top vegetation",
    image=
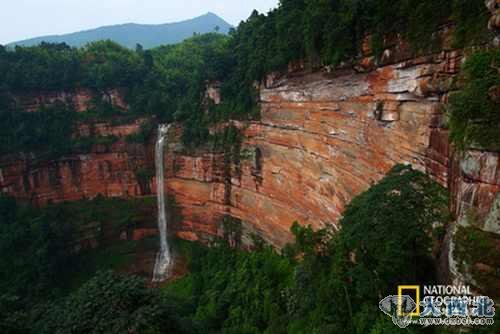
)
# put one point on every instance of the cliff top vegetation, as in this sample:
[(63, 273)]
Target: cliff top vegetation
[(169, 82)]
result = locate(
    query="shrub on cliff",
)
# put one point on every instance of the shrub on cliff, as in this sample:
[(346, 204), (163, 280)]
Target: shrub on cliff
[(168, 82), (389, 231), (46, 131), (39, 260), (475, 109), (329, 32)]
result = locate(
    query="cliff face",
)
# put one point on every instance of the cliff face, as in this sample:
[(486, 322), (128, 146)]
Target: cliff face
[(475, 184), (327, 136), (471, 255), (109, 170), (323, 139), (80, 98)]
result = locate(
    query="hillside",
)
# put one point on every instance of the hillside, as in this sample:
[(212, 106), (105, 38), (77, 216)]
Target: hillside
[(130, 34)]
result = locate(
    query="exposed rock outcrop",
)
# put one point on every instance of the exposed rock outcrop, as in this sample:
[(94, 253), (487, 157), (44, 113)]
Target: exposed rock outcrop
[(494, 23), (473, 253), (80, 98), (108, 171), (323, 138)]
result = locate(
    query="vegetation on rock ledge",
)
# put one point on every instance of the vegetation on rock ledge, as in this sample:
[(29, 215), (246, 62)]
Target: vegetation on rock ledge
[(475, 109)]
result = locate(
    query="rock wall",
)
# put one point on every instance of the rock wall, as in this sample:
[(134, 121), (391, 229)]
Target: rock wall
[(475, 184), (494, 23), (472, 252), (81, 98), (109, 170), (323, 138)]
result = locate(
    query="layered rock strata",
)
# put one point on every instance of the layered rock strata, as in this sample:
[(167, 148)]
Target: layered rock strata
[(323, 138), (109, 170)]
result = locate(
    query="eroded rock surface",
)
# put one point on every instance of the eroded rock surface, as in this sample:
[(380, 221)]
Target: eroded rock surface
[(108, 170), (323, 138)]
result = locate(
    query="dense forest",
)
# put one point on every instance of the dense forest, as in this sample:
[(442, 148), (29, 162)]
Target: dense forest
[(165, 83), (312, 286)]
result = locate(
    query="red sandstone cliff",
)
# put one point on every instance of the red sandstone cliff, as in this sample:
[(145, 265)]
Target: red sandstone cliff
[(80, 98), (109, 171), (324, 137)]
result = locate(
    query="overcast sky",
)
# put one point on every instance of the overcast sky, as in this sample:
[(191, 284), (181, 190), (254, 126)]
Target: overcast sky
[(22, 19)]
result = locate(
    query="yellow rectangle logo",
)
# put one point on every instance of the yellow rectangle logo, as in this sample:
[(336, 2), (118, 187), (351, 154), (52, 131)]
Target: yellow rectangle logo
[(401, 290)]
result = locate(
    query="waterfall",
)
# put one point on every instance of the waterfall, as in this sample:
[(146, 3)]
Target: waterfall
[(163, 258)]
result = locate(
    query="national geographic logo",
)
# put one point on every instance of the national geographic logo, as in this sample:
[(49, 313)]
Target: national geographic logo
[(446, 305), (414, 292)]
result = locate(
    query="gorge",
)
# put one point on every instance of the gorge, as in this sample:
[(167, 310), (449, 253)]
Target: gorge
[(316, 136), (323, 138)]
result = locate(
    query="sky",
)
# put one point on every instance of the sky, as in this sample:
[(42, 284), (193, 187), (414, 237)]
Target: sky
[(22, 19)]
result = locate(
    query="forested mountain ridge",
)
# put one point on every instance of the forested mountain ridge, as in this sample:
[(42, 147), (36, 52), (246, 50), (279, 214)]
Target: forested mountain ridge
[(131, 34)]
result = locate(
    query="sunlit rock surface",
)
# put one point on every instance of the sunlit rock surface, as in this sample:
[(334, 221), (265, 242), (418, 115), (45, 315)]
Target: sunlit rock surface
[(323, 138)]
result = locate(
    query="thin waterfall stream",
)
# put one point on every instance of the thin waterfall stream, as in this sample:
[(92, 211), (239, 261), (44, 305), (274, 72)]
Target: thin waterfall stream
[(163, 258)]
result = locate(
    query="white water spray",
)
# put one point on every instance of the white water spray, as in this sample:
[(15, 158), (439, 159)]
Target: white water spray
[(163, 258)]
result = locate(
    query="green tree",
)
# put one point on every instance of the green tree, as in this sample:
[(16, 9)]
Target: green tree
[(113, 303)]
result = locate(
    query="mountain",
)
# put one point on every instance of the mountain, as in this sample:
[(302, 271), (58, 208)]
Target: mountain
[(130, 34)]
